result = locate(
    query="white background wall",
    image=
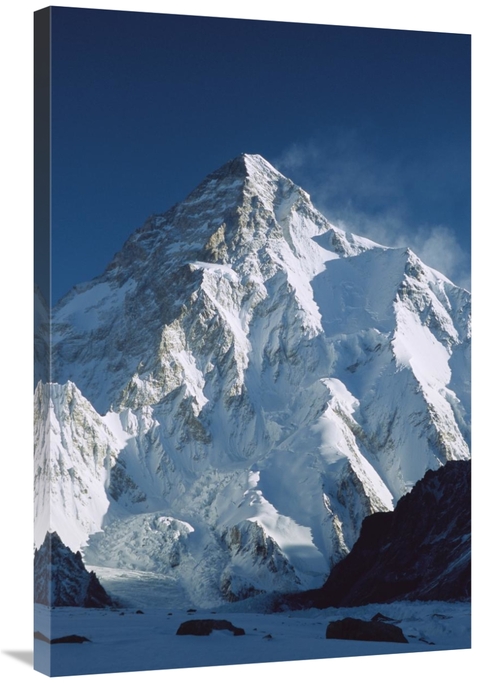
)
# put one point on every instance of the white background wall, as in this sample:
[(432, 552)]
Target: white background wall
[(16, 628)]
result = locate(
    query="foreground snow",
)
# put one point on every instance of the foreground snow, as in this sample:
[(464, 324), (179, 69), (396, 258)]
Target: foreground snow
[(123, 640)]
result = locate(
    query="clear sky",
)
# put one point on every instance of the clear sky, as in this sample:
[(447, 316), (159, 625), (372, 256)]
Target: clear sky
[(374, 124)]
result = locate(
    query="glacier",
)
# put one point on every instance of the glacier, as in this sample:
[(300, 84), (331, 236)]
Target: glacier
[(239, 389)]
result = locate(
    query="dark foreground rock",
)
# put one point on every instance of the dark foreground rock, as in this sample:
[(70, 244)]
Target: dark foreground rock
[(204, 627), (420, 551), (61, 579), (62, 639), (69, 639), (357, 629)]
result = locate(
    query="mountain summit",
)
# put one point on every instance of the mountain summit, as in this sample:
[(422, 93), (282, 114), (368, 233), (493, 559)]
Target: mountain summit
[(242, 386)]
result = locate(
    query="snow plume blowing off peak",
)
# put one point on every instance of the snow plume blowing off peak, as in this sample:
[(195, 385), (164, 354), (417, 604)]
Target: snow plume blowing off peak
[(241, 387)]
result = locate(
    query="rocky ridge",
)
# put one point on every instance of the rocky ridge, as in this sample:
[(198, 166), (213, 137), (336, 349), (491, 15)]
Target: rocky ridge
[(61, 579), (420, 551)]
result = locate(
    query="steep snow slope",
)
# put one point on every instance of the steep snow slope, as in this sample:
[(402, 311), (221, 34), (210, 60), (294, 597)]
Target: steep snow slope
[(74, 455), (256, 382)]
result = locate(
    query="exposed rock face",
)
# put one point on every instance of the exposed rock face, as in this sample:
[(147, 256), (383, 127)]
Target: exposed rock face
[(61, 579), (420, 551), (269, 565)]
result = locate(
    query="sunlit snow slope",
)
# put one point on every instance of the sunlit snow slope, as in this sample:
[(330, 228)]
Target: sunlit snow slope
[(242, 386)]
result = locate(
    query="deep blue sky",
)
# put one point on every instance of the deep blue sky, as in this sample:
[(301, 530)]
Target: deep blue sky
[(374, 124)]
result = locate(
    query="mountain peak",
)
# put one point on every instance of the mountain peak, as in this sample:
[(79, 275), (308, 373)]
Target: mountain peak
[(245, 166), (255, 163), (233, 183)]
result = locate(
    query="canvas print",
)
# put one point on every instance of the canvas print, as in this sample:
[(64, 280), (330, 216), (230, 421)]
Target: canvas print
[(252, 341)]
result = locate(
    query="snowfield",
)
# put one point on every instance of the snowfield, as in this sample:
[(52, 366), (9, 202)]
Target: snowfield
[(123, 640)]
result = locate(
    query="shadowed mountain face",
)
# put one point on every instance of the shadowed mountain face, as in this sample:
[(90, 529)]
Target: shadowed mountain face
[(420, 551), (61, 579)]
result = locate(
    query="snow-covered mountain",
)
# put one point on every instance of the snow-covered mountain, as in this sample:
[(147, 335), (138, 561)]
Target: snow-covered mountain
[(241, 387)]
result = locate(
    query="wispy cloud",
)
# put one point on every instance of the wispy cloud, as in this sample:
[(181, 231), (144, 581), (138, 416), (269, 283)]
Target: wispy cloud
[(436, 245), (439, 248), (368, 196)]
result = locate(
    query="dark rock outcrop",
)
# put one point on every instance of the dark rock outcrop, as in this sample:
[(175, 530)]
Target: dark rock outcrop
[(204, 627), (357, 629), (420, 551), (70, 639), (61, 579), (62, 639)]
